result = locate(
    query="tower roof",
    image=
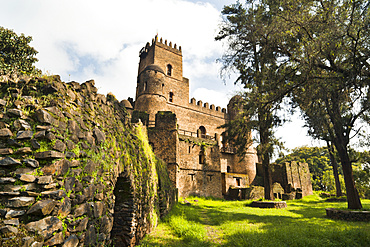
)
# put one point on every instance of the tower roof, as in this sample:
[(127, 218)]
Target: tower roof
[(154, 67)]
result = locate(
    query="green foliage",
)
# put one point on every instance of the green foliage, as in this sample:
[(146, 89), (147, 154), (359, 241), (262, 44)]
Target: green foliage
[(16, 55)]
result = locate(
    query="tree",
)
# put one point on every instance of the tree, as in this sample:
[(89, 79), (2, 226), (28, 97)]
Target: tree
[(321, 54), (328, 44), (249, 36), (16, 55)]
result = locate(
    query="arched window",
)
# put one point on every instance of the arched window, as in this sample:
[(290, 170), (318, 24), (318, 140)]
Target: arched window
[(145, 86), (228, 169), (171, 97), (202, 132), (169, 69)]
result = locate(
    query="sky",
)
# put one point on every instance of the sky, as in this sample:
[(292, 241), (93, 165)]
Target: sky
[(100, 40)]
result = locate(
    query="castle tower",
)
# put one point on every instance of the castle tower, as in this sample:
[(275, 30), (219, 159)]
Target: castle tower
[(160, 81)]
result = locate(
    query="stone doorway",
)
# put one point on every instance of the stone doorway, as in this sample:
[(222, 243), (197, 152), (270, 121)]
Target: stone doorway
[(123, 231)]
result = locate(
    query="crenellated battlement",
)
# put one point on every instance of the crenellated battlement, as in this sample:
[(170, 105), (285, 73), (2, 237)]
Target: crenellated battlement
[(205, 106), (161, 43)]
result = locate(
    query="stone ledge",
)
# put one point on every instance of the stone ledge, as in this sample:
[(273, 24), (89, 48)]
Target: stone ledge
[(268, 204), (348, 215)]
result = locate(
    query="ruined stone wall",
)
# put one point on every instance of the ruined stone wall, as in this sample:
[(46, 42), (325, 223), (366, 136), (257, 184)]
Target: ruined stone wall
[(293, 176), (73, 171)]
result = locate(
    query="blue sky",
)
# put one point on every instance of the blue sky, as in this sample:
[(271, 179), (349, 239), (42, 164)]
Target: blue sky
[(82, 40)]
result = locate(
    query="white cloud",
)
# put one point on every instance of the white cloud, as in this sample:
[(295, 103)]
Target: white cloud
[(82, 40), (97, 39)]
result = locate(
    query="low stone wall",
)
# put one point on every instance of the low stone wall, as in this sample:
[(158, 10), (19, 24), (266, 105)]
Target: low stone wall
[(348, 215), (72, 168), (268, 204)]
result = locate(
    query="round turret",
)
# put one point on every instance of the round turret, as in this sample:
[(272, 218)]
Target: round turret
[(150, 91), (234, 106)]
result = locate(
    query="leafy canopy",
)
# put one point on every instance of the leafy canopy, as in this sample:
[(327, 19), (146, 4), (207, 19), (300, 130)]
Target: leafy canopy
[(16, 55)]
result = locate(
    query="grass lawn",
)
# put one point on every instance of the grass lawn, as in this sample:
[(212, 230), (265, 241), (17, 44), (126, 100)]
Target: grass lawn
[(210, 222)]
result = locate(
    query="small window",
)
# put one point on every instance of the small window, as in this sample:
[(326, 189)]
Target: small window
[(192, 177), (228, 169), (201, 159), (171, 97), (189, 149), (162, 88), (169, 70), (145, 86), (237, 181)]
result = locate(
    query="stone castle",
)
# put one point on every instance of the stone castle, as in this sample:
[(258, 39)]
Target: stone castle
[(184, 132)]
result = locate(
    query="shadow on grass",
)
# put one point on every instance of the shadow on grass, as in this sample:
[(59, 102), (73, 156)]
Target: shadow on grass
[(303, 223)]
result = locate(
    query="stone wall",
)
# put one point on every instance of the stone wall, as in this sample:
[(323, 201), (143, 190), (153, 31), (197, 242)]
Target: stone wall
[(73, 171)]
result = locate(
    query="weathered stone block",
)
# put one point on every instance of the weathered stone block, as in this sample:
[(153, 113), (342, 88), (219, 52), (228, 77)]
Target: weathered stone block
[(25, 150), (15, 112), (59, 146), (26, 178), (7, 180), (55, 194), (44, 117), (58, 238), (49, 155), (8, 161), (24, 134), (5, 132), (18, 202), (46, 226), (31, 162), (65, 208), (71, 241), (44, 179), (6, 151), (42, 208), (8, 230), (13, 222), (14, 213), (99, 136), (22, 124)]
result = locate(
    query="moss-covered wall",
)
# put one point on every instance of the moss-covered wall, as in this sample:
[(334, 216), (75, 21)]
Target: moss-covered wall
[(73, 171)]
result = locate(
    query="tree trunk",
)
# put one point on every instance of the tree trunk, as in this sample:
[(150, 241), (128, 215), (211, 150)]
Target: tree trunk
[(267, 182), (335, 169), (353, 198)]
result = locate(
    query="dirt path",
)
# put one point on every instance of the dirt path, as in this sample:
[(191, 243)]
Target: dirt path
[(213, 235)]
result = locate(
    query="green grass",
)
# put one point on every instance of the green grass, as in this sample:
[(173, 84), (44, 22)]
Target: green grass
[(211, 222)]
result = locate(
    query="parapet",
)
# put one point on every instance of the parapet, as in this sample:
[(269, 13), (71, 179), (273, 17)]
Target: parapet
[(199, 105), (160, 43)]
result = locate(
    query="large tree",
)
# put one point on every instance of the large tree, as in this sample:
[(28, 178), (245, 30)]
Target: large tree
[(249, 34), (326, 43), (16, 55)]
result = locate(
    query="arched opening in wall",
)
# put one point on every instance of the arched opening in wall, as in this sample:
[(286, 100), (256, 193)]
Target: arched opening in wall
[(203, 132), (169, 69), (145, 86), (228, 169), (170, 99), (123, 214), (162, 88)]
